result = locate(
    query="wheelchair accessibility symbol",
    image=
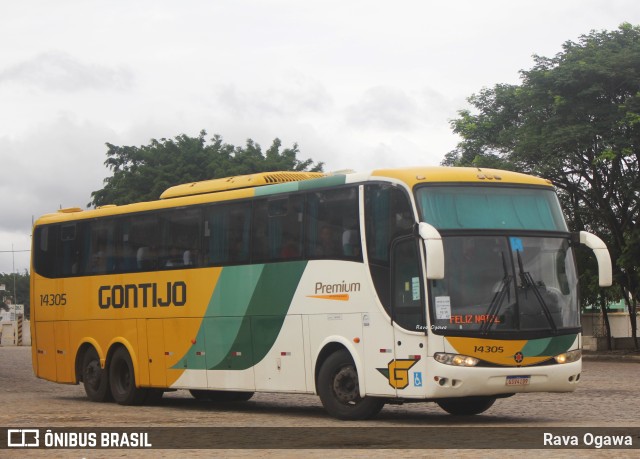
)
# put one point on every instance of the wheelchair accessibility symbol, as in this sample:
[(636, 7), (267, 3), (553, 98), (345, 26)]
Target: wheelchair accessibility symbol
[(417, 379)]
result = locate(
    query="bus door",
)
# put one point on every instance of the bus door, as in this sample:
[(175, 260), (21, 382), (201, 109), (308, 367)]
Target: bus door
[(408, 315)]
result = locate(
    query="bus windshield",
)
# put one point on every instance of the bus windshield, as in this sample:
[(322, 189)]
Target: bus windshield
[(490, 207), (509, 266), (505, 283)]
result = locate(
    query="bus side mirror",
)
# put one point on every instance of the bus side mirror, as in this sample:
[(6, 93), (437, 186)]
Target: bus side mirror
[(434, 250), (602, 256)]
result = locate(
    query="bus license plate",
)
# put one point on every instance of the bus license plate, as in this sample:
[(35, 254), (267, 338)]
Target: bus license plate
[(518, 380)]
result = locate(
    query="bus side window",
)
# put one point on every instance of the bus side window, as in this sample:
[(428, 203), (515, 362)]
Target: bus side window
[(226, 233), (333, 225), (45, 244), (144, 233), (69, 258), (126, 254), (277, 229), (180, 244), (101, 259)]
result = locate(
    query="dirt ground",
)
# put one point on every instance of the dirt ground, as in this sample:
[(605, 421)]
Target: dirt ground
[(608, 397)]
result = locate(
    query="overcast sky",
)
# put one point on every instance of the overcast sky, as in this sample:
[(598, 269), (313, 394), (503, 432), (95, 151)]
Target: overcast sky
[(357, 84)]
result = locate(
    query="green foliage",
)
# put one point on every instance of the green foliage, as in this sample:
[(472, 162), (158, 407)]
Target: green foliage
[(575, 120), (143, 173), (22, 288)]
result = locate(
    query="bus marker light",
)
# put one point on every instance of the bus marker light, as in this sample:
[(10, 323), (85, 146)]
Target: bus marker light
[(193, 341), (385, 351), (356, 340), (284, 354), (236, 354), (415, 357)]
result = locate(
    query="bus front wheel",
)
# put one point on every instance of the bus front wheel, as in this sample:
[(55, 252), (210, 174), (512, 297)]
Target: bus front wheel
[(122, 379), (94, 378), (466, 406), (339, 391)]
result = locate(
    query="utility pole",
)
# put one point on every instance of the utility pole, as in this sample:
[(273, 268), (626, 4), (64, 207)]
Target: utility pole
[(13, 270)]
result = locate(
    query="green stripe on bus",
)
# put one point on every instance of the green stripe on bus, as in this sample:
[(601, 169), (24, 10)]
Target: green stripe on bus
[(303, 185), (267, 310), (245, 315), (548, 346), (560, 344)]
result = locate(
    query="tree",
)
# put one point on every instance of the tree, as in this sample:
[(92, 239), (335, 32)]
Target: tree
[(575, 120), (143, 173), (19, 282)]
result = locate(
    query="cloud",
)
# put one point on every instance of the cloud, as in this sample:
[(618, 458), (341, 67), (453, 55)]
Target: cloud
[(56, 164), (59, 71), (294, 95), (384, 107)]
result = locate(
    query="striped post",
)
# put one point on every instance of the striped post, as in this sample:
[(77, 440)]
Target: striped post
[(19, 319)]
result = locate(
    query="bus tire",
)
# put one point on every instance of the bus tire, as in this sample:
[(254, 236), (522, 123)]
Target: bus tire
[(94, 378), (122, 379), (220, 395), (466, 406), (339, 390)]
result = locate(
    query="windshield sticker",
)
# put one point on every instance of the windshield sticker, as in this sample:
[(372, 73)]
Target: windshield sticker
[(415, 288), (443, 307), (516, 244)]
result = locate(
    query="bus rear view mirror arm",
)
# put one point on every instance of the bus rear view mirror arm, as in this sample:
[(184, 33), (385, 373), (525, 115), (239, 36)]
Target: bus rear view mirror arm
[(434, 250), (602, 256)]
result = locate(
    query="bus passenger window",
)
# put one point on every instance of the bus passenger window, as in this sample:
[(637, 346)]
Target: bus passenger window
[(69, 256), (101, 259), (278, 229), (332, 224), (144, 240), (226, 233), (180, 242)]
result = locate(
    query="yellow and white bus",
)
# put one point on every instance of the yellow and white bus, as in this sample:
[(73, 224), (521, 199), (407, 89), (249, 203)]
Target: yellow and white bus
[(451, 285)]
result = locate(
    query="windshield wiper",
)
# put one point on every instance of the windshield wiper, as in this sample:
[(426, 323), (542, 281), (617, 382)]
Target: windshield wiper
[(498, 299), (527, 281)]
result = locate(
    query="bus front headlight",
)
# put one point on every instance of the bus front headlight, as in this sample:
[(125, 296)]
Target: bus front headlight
[(457, 360), (568, 357)]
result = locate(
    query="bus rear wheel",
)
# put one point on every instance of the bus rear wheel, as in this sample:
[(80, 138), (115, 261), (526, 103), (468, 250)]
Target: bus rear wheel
[(122, 380), (94, 378), (339, 392), (466, 406), (220, 395)]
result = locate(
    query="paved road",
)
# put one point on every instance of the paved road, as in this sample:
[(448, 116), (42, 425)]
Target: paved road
[(609, 396)]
